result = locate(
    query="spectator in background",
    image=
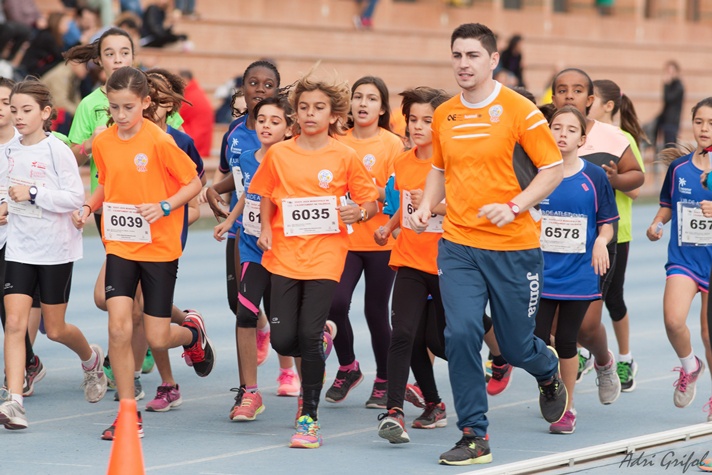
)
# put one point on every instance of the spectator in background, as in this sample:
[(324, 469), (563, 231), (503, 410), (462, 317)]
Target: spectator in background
[(197, 112), (668, 122), (185, 8), (226, 94), (507, 78), (364, 21), (511, 59), (24, 12), (133, 6), (157, 28), (13, 36), (45, 50)]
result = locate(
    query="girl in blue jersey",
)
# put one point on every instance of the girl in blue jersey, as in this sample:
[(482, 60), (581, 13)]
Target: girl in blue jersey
[(576, 228), (273, 119), (261, 80), (682, 201)]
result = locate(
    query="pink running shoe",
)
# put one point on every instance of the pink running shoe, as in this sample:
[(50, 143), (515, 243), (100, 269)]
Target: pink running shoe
[(167, 397), (263, 347), (289, 384)]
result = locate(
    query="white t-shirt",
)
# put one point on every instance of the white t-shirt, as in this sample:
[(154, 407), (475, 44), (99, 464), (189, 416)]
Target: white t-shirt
[(52, 238), (3, 179)]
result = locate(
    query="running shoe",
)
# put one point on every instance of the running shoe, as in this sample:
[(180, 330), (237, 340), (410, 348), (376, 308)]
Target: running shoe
[(501, 379), (392, 427), (608, 382), (432, 417), (167, 397), (585, 365), (414, 395), (566, 425), (202, 353), (344, 382), (12, 413), (33, 374), (110, 381), (108, 433), (95, 381), (708, 409), (705, 465), (626, 373), (488, 370), (469, 450), (238, 399), (300, 403), (289, 384), (685, 384), (330, 330), (307, 435), (263, 346), (148, 362), (250, 407), (378, 397), (138, 391), (553, 397)]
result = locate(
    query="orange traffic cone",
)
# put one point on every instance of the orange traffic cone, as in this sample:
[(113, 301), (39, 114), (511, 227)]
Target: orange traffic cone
[(126, 456)]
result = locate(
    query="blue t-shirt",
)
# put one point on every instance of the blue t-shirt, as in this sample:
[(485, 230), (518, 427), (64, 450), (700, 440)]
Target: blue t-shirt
[(587, 194), (249, 250), (392, 201), (682, 185), (185, 143), (239, 140)]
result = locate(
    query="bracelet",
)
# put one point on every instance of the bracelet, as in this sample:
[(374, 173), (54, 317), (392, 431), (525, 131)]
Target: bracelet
[(85, 204), (83, 151)]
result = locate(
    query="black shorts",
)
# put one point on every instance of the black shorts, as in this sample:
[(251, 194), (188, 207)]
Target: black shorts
[(54, 281), (158, 281)]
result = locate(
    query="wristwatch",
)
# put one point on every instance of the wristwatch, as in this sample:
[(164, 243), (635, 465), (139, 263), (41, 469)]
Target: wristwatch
[(364, 214), (33, 194), (514, 207), (166, 207)]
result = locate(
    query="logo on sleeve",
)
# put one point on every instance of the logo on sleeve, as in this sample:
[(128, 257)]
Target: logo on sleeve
[(235, 146), (495, 112), (141, 162), (682, 186), (369, 161), (325, 177)]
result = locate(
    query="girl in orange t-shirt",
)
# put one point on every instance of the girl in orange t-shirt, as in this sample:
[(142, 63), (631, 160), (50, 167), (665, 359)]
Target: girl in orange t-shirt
[(414, 257), (143, 201), (377, 147), (304, 232)]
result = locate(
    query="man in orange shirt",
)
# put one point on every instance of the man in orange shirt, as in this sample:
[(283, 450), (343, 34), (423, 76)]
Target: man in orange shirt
[(490, 247)]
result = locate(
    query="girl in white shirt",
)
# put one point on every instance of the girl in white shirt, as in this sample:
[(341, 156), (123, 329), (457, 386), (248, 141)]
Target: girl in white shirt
[(44, 187)]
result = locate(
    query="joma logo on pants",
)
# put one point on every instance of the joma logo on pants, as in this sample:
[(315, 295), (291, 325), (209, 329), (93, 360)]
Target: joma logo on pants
[(533, 293)]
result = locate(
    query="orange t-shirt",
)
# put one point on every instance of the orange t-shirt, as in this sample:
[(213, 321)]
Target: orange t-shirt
[(418, 251), (377, 155), (475, 146), (289, 171), (147, 168)]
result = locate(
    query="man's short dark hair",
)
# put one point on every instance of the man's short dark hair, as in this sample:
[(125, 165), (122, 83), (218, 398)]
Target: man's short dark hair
[(478, 32)]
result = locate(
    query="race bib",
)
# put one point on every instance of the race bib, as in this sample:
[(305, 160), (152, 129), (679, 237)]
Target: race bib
[(123, 223), (694, 228), (563, 234), (308, 216), (435, 222), (251, 218), (24, 208), (239, 186)]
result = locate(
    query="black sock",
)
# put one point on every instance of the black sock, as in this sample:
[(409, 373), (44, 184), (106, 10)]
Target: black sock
[(194, 331), (499, 360)]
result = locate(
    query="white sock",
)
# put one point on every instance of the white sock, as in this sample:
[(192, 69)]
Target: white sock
[(91, 362), (137, 374), (265, 329), (689, 363), (627, 358), (584, 352), (18, 399)]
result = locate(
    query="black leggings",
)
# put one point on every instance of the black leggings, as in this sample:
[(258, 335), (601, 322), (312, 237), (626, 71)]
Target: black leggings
[(29, 353), (614, 298), (415, 329), (232, 256), (298, 314), (379, 281), (571, 313), (255, 287)]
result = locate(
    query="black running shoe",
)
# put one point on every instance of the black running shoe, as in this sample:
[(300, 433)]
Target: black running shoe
[(553, 397), (344, 382), (469, 450)]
